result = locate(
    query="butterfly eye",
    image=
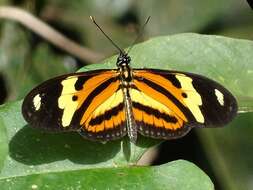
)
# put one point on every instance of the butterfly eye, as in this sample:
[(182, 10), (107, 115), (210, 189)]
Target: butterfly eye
[(127, 59)]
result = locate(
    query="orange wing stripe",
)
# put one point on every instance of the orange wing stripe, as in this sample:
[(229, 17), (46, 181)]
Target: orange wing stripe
[(148, 118), (159, 97), (96, 125), (99, 99), (106, 110), (162, 82)]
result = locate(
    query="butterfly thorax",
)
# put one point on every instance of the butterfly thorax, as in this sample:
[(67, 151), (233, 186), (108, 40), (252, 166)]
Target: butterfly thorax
[(123, 62)]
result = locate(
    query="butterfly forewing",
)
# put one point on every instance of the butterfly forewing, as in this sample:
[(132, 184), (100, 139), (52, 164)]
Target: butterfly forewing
[(79, 101), (167, 104)]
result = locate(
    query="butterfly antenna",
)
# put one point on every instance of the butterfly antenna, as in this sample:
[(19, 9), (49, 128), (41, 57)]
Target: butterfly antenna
[(140, 33), (120, 50)]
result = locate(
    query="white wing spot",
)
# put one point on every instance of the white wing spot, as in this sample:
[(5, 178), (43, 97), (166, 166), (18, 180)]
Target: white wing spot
[(220, 97), (37, 102)]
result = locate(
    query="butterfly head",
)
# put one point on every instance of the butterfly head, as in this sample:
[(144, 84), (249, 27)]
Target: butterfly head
[(123, 60)]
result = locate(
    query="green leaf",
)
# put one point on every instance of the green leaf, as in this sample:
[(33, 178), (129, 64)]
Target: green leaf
[(180, 175), (231, 152), (3, 144), (31, 150)]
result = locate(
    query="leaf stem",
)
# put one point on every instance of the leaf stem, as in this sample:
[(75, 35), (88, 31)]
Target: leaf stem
[(49, 34)]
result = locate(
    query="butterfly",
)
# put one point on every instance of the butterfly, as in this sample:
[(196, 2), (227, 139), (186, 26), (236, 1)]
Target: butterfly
[(108, 104)]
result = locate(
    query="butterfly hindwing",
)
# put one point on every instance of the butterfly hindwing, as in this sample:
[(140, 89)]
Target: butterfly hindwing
[(72, 102), (107, 121), (167, 104), (153, 118)]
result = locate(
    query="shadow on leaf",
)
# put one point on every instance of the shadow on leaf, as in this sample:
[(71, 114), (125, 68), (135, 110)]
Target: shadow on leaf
[(33, 147)]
